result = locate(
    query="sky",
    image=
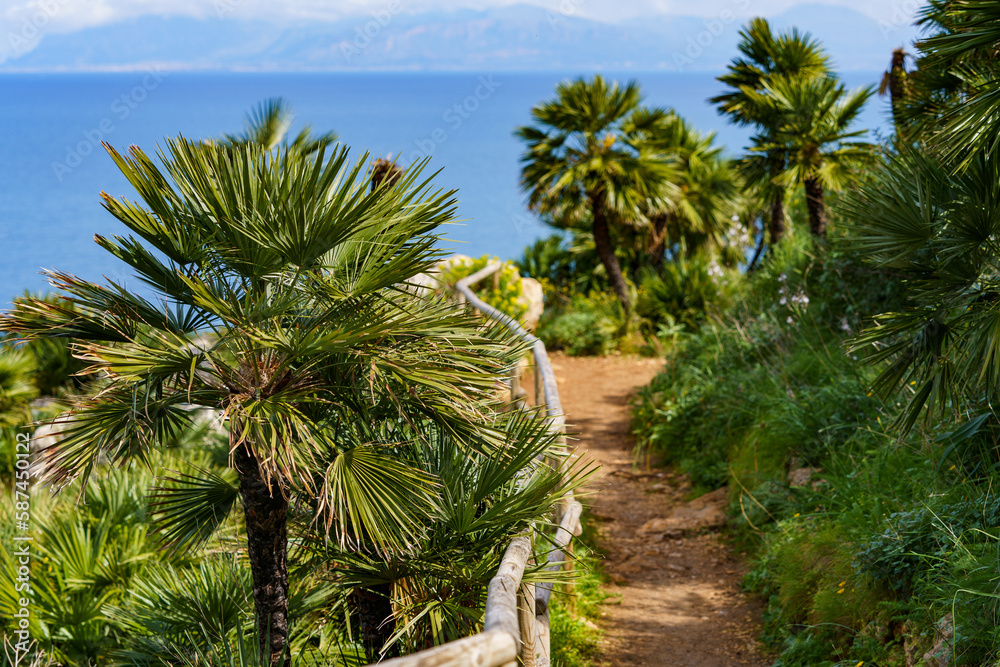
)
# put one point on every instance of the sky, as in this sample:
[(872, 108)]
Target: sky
[(22, 20)]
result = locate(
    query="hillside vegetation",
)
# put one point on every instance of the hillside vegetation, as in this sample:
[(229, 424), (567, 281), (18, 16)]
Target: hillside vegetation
[(847, 398)]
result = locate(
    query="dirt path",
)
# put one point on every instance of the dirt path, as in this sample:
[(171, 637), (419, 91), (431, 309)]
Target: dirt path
[(680, 601)]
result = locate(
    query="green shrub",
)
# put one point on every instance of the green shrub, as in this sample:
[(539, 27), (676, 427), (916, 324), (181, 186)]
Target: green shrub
[(16, 386), (55, 365), (686, 292), (588, 325)]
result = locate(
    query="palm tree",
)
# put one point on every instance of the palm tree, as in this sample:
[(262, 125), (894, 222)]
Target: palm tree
[(280, 301), (584, 160), (385, 169), (814, 133), (267, 125), (894, 83), (958, 79), (437, 587), (697, 204), (938, 230), (765, 56)]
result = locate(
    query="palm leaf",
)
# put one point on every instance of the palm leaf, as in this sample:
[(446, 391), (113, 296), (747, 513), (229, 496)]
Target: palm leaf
[(186, 509)]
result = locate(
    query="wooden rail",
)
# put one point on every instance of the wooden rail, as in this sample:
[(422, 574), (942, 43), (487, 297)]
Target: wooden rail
[(516, 624)]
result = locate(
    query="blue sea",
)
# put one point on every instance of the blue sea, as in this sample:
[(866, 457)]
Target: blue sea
[(52, 167)]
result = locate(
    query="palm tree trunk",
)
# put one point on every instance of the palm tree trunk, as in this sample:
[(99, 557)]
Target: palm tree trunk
[(266, 512), (776, 225), (752, 266), (371, 611), (817, 210), (897, 78), (658, 247), (606, 252)]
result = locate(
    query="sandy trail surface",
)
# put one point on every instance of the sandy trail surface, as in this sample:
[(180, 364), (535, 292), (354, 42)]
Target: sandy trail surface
[(676, 596)]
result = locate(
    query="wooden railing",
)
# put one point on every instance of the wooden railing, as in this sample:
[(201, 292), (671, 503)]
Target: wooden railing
[(516, 623)]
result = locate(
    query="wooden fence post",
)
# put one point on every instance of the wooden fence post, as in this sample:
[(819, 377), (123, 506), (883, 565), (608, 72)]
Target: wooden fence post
[(526, 621), (539, 388)]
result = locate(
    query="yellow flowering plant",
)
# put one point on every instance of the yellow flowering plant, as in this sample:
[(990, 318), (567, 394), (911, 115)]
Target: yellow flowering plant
[(502, 290)]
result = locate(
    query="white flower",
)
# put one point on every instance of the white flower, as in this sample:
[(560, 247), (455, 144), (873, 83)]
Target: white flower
[(800, 298), (783, 301), (790, 320)]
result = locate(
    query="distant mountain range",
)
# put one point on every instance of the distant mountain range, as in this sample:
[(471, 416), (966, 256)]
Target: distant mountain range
[(512, 38)]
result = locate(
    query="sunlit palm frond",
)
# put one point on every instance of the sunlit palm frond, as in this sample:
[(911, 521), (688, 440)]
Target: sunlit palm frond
[(187, 508), (764, 56), (267, 125), (371, 498), (939, 229)]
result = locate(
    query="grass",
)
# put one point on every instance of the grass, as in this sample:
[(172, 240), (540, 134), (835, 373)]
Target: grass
[(896, 537), (574, 614)]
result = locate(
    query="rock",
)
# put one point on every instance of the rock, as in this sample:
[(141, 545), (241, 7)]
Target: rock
[(423, 284), (715, 498), (940, 653), (47, 435), (533, 297), (617, 579), (44, 437), (427, 283), (707, 511), (910, 652), (655, 526), (211, 419), (689, 518), (911, 641), (634, 565), (802, 476)]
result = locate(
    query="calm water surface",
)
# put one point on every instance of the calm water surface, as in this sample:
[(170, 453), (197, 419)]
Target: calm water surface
[(52, 167)]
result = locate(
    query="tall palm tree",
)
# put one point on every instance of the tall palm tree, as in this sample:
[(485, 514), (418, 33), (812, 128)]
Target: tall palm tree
[(764, 56), (698, 201), (894, 83), (385, 170), (816, 136), (280, 301), (584, 159)]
